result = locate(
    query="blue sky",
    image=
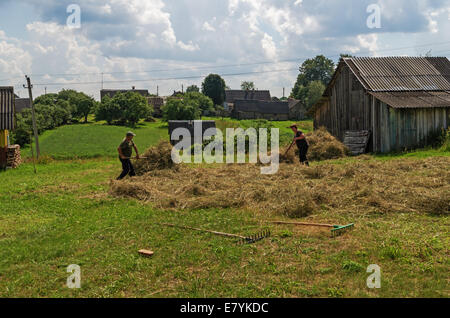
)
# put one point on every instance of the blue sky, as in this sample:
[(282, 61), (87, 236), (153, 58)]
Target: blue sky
[(170, 43)]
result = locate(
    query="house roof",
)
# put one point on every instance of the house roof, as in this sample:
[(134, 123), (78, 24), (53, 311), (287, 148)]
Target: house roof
[(294, 102), (112, 92), (380, 74), (414, 99), (233, 95), (400, 82), (264, 107)]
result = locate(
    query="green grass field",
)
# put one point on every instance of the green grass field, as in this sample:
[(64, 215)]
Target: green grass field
[(95, 140), (63, 215)]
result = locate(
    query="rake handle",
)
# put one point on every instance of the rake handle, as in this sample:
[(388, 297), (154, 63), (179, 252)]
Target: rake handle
[(302, 223), (207, 231)]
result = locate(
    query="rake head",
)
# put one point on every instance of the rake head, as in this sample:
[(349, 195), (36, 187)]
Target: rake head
[(255, 238), (340, 229)]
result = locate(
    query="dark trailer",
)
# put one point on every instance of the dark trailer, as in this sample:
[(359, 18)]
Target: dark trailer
[(402, 101), (189, 125)]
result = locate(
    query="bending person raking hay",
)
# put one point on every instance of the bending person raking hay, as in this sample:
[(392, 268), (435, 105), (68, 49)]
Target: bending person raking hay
[(125, 151), (302, 145)]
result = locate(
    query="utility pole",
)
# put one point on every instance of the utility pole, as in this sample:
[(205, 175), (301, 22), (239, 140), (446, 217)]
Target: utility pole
[(182, 88), (283, 92), (45, 90), (33, 115), (157, 90), (102, 80)]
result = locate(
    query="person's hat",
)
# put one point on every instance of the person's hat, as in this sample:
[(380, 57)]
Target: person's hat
[(130, 134), (293, 125)]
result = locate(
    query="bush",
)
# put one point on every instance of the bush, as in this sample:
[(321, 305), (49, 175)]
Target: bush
[(178, 109)]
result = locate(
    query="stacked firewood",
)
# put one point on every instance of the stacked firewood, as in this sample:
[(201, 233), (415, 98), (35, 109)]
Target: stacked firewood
[(13, 158)]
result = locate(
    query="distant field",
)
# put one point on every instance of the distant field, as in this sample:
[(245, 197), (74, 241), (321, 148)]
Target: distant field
[(95, 140), (100, 140)]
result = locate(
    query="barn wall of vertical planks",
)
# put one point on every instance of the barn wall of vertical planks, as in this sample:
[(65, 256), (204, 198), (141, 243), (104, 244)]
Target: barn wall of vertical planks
[(403, 102)]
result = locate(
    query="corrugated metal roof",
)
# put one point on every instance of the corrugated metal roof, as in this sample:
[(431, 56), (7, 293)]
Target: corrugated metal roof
[(401, 73), (414, 99), (7, 108)]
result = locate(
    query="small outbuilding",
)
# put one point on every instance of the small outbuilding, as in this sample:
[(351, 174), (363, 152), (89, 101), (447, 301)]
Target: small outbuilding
[(402, 101)]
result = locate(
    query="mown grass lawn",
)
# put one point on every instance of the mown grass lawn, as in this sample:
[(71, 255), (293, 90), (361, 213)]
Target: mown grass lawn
[(64, 215)]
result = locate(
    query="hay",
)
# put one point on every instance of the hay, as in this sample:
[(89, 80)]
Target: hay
[(355, 188), (324, 146), (156, 158)]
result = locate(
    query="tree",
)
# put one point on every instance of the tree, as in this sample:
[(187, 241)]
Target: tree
[(214, 87), (81, 104), (135, 107), (319, 69), (345, 55), (178, 109), (193, 89), (123, 108), (247, 85), (203, 102), (315, 92), (108, 111)]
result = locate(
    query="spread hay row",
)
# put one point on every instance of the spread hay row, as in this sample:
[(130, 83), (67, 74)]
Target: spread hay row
[(358, 187)]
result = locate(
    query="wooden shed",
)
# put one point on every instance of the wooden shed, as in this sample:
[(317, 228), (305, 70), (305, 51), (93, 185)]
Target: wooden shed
[(402, 101)]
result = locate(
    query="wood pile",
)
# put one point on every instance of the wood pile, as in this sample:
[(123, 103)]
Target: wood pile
[(13, 158)]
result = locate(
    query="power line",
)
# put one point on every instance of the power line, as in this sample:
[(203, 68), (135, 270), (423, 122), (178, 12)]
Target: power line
[(165, 79), (221, 66)]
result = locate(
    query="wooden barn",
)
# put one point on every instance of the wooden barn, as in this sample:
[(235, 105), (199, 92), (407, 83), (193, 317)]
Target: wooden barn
[(401, 101)]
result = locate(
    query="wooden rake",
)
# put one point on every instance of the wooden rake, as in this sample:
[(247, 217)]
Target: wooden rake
[(336, 230), (242, 239)]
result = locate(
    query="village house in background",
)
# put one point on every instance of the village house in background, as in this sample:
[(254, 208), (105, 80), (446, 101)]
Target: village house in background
[(22, 104), (112, 92), (256, 104), (257, 109), (402, 101), (297, 110), (232, 95)]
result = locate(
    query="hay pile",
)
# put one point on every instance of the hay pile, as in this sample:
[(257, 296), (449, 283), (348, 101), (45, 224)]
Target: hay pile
[(324, 146), (155, 158), (356, 188)]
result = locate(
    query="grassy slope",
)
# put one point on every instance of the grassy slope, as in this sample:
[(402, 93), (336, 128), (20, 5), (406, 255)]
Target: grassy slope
[(64, 216), (95, 140)]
